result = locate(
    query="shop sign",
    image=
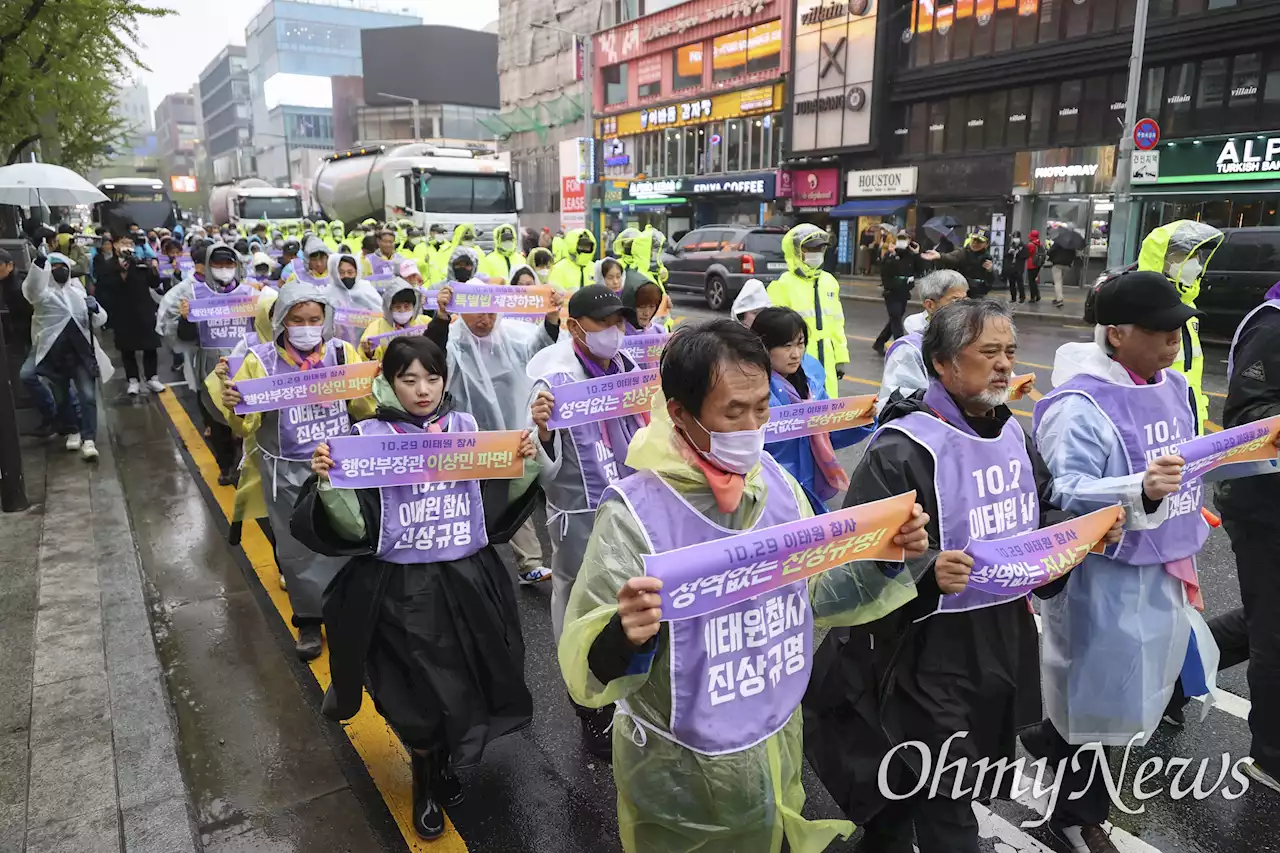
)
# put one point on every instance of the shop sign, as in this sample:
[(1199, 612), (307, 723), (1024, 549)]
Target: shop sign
[(627, 41), (1066, 170), (882, 182), (619, 160), (1221, 158), (717, 12), (815, 187), (655, 189), (573, 196), (715, 108), (833, 62), (750, 184)]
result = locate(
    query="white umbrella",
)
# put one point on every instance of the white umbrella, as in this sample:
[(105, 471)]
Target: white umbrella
[(29, 184)]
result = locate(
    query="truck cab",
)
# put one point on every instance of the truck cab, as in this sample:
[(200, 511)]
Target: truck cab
[(277, 206)]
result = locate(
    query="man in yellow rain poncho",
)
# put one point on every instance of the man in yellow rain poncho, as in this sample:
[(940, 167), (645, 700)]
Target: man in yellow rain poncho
[(815, 295), (1181, 251), (635, 250), (680, 787), (577, 269)]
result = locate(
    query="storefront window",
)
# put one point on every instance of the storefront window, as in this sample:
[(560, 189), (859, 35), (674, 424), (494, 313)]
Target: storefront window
[(1242, 97), (756, 148), (648, 90), (1095, 111), (1078, 17), (1019, 117), (1003, 25), (779, 140), (937, 127), (729, 56), (1126, 14), (671, 165), (687, 67), (715, 147), (1210, 94), (732, 145), (1179, 88), (1070, 93), (976, 120), (1027, 28), (1041, 116), (1152, 92), (615, 83), (764, 47), (997, 117), (922, 41), (1104, 16), (957, 117), (983, 29), (918, 136), (1051, 20), (1271, 91), (962, 29), (691, 159)]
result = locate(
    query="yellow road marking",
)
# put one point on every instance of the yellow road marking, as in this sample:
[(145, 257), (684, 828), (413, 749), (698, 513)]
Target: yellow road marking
[(1212, 427), (378, 746)]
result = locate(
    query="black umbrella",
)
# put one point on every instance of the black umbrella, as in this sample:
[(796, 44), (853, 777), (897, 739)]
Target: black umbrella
[(1066, 238), (944, 227)]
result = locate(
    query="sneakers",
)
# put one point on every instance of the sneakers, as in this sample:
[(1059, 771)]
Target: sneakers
[(1262, 777), (230, 477), (73, 442), (597, 736), (1174, 716), (310, 642), (537, 574), (89, 450), (133, 388), (1087, 838), (155, 385), (284, 584)]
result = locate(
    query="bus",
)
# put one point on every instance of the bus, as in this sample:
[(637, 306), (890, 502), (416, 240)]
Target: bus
[(145, 201)]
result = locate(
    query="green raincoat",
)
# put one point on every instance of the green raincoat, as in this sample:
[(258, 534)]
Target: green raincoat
[(1166, 250), (672, 799)]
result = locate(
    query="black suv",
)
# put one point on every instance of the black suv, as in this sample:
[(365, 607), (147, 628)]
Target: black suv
[(716, 260), (1244, 268)]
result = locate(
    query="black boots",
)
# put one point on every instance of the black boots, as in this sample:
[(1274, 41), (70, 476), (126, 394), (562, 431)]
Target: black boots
[(596, 730), (435, 787), (310, 642)]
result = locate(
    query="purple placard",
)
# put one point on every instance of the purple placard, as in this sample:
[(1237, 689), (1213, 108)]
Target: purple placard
[(237, 306), (602, 399), (373, 461), (710, 576), (816, 416), (1019, 564), (645, 350), (1251, 442), (386, 337), (320, 385), (499, 299), (356, 318)]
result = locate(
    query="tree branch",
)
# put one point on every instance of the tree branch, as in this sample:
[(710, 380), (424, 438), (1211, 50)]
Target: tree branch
[(22, 144)]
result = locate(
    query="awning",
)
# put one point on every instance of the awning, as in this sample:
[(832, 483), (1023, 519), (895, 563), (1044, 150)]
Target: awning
[(869, 207)]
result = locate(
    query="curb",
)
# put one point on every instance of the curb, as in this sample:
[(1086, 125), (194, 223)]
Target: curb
[(1069, 316)]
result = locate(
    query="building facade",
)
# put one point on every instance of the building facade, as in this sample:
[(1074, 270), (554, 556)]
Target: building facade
[(689, 106), (227, 113), (177, 134), (292, 49), (133, 108)]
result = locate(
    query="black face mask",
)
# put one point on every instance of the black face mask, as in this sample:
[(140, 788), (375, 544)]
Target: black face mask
[(348, 281), (61, 275), (462, 273)]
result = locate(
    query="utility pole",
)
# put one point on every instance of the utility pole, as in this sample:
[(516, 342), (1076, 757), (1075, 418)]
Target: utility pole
[(417, 127), (1122, 212)]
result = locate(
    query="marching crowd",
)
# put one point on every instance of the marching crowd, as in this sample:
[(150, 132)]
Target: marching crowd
[(708, 719)]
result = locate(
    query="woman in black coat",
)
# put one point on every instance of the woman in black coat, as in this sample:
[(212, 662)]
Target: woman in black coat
[(135, 285)]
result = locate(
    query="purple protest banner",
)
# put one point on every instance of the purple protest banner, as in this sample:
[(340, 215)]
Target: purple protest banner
[(238, 306), (710, 576), (1252, 442), (604, 398), (356, 318), (645, 350), (499, 299), (818, 416), (386, 337), (1015, 566), (321, 385), (372, 461)]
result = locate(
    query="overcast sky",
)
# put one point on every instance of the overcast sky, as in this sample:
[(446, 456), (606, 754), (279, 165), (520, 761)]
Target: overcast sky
[(177, 48)]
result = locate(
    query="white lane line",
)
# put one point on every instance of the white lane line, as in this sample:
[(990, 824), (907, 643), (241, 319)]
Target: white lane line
[(1011, 838), (1124, 841)]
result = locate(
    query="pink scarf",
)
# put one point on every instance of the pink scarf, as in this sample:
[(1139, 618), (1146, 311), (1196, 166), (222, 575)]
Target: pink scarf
[(832, 478), (315, 358)]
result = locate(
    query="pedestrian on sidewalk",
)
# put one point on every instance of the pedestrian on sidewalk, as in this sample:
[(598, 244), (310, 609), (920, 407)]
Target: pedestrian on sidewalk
[(427, 621), (1015, 268), (133, 324), (52, 421), (972, 260), (1035, 261), (66, 354), (487, 356), (900, 266), (1060, 259)]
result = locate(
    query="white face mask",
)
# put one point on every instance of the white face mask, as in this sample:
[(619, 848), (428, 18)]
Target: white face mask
[(543, 274), (1190, 271), (223, 274), (902, 244), (605, 343), (814, 259), (305, 338), (735, 452), (401, 317)]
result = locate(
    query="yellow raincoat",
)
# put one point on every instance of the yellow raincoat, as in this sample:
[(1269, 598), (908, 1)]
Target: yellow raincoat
[(575, 270), (815, 295), (1166, 250), (672, 799), (635, 252), (498, 264), (463, 233)]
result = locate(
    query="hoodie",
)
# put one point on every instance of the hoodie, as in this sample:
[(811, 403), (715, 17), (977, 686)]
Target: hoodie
[(577, 268), (387, 323), (752, 297), (498, 264)]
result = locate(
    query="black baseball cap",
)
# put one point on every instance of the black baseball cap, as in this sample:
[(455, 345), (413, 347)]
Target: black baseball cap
[(1145, 299), (599, 303)]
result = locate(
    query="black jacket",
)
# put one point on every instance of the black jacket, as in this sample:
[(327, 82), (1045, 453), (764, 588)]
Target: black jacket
[(969, 264), (897, 268), (133, 304), (1253, 393), (898, 679), (1061, 256)]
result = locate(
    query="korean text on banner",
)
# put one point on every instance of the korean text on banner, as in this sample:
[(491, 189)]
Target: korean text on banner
[(238, 306), (356, 318), (645, 350), (499, 299), (387, 337), (603, 399), (372, 461), (1019, 564), (818, 416), (322, 385), (710, 576), (1252, 442)]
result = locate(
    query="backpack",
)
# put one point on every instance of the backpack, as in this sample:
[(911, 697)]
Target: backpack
[(1042, 257)]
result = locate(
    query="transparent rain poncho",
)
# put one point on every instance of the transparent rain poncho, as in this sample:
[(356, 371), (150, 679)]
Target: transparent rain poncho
[(672, 799), (487, 376)]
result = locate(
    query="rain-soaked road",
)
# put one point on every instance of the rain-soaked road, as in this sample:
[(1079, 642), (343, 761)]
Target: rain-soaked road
[(267, 773)]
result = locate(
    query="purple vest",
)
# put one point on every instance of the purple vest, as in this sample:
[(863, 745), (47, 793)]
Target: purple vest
[(301, 428), (1151, 421), (429, 522), (299, 269), (737, 675), (602, 449), (1231, 357), (915, 340), (380, 266), (986, 487), (222, 334)]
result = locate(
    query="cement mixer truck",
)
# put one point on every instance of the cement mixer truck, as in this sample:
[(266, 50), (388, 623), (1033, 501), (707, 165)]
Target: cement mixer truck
[(426, 184), (252, 200)]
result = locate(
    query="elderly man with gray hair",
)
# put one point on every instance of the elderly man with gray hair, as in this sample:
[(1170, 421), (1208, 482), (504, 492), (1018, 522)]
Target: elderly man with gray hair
[(904, 369), (957, 659)]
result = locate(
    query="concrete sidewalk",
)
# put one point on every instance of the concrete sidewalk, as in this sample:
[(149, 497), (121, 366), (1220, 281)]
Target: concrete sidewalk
[(867, 289), (87, 757)]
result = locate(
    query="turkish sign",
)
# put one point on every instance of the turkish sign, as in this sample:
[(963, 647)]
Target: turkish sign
[(1015, 566), (306, 387), (603, 399), (1252, 442), (811, 417), (710, 576), (1244, 157), (372, 461)]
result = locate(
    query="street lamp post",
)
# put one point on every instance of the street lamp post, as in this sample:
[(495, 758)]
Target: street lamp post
[(417, 128), (588, 112)]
